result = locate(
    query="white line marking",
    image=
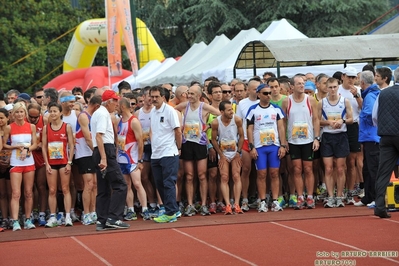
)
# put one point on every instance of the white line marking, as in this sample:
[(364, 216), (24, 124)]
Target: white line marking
[(92, 252), (392, 221), (214, 247), (330, 240)]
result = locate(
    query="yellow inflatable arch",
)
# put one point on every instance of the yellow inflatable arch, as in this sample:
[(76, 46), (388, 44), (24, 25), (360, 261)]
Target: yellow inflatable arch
[(92, 34)]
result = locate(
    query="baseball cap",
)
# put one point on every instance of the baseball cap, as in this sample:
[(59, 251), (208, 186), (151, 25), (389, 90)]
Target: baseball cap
[(350, 71), (9, 107), (24, 96), (309, 85), (109, 94), (261, 86)]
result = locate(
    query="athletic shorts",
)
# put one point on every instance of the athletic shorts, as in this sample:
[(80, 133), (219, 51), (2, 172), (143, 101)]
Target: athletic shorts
[(38, 158), (57, 166), (191, 151), (317, 154), (22, 169), (303, 151), (267, 157), (86, 165), (147, 153), (6, 174), (353, 137), (335, 145), (215, 163), (127, 168), (245, 146)]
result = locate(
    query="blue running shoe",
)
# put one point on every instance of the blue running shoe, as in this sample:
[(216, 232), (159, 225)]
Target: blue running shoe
[(178, 214), (166, 219), (292, 202), (42, 220)]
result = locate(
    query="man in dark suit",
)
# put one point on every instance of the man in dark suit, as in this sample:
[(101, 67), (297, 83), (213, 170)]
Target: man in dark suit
[(386, 112)]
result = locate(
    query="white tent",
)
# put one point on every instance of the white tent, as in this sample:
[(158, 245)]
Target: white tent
[(206, 56), (281, 30), (278, 30)]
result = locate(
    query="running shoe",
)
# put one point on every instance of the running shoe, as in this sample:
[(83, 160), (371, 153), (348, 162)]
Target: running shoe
[(310, 203), (212, 207), (255, 204), (276, 206), (52, 222), (181, 207), (60, 219), (35, 216), (361, 193), (16, 226), (301, 204), (330, 203), (42, 220), (74, 217), (262, 206), (359, 204), (4, 224), (292, 202), (130, 216), (93, 217), (103, 227), (228, 210), (281, 202), (166, 219), (146, 215), (244, 205), (118, 224), (178, 214), (237, 209), (28, 224), (87, 219), (68, 221), (190, 211), (204, 210), (339, 202), (371, 205), (350, 201), (220, 207)]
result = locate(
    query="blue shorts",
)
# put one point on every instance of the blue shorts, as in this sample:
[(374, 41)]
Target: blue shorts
[(127, 168), (267, 157)]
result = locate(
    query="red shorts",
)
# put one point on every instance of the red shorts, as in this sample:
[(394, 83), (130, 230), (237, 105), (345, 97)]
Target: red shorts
[(39, 160), (22, 169), (245, 145)]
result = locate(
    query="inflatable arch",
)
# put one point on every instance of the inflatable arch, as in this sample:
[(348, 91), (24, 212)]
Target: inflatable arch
[(92, 34)]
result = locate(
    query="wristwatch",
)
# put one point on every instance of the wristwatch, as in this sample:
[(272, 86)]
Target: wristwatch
[(140, 161), (357, 95), (343, 121), (26, 148), (251, 146), (70, 162), (283, 145), (317, 138)]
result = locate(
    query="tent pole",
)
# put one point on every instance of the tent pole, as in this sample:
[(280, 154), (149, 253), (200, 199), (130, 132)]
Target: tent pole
[(253, 58), (234, 72), (278, 69)]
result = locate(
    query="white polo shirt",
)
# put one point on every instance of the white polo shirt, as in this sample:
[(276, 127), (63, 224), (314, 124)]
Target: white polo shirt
[(101, 123), (163, 122)]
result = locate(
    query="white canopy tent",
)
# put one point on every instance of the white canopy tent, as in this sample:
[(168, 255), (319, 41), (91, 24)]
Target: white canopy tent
[(205, 57), (278, 30)]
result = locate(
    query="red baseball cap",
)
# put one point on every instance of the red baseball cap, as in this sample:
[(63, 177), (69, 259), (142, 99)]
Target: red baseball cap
[(109, 94)]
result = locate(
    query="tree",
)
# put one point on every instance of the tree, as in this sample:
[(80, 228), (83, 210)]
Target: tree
[(28, 27)]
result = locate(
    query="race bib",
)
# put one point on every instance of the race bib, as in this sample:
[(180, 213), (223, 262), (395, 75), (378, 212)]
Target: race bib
[(227, 145), (333, 116), (267, 136), (192, 131), (121, 143), (300, 130), (146, 136), (56, 150)]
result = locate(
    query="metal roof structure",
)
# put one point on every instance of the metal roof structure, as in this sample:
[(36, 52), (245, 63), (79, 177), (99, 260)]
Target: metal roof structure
[(318, 51)]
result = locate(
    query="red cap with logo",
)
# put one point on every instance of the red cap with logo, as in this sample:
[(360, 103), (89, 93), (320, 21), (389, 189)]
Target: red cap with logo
[(109, 94)]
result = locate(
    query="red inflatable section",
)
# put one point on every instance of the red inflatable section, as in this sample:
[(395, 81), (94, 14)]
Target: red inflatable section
[(85, 78)]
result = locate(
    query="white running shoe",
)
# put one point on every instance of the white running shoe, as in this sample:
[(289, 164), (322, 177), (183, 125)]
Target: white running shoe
[(262, 206)]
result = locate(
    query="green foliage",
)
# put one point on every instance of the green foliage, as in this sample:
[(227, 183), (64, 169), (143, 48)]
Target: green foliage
[(27, 28)]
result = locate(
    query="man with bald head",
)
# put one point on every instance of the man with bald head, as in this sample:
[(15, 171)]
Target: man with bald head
[(242, 111), (195, 145), (180, 95)]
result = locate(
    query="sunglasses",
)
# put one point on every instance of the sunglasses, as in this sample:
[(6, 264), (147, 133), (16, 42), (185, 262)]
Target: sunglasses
[(267, 93), (39, 97), (132, 104), (225, 92)]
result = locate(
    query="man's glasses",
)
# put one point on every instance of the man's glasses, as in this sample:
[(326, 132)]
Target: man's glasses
[(132, 104), (39, 97), (34, 117), (225, 92), (267, 93)]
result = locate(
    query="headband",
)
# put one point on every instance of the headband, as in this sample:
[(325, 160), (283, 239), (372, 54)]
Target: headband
[(68, 98)]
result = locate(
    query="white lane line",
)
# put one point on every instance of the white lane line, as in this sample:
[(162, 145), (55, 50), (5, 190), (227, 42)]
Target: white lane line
[(92, 252), (392, 221), (214, 247), (330, 240)]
